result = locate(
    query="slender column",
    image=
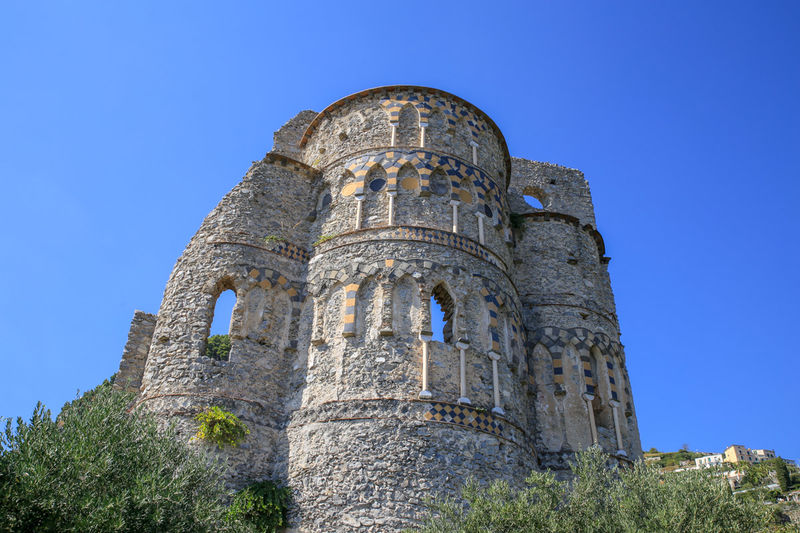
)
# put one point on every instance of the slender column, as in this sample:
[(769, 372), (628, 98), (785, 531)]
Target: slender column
[(462, 346), (394, 134), (494, 356), (455, 203), (360, 200), (588, 399), (425, 337), (620, 447), (391, 194), (422, 127), (474, 152), (318, 337), (481, 237)]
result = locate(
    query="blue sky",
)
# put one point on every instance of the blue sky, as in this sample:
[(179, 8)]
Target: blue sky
[(123, 123)]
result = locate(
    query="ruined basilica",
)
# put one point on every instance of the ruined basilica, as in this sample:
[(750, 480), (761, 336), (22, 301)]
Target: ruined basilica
[(337, 244)]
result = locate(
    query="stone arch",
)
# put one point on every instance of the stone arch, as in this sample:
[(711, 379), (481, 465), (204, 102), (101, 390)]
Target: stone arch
[(272, 318), (602, 396), (407, 126), (375, 211), (476, 315), (578, 431), (437, 129), (334, 310), (462, 139), (550, 420), (368, 310), (439, 183), (408, 178), (405, 307)]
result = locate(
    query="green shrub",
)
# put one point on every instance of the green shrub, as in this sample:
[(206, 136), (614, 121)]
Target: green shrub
[(602, 499), (97, 468), (218, 347), (262, 505), (221, 427)]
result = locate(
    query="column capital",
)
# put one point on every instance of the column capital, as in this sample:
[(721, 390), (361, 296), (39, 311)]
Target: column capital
[(494, 356), (426, 336), (480, 214), (462, 344), (588, 397), (473, 143), (455, 202)]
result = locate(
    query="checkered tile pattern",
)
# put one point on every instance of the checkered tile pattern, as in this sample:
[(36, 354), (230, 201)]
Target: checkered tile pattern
[(464, 416), (292, 251)]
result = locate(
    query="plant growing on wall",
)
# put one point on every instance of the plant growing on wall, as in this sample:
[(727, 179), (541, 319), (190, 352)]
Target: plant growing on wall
[(262, 505), (218, 347), (221, 427), (270, 239), (324, 238)]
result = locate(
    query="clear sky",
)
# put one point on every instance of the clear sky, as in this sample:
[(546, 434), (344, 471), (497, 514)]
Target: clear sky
[(122, 124)]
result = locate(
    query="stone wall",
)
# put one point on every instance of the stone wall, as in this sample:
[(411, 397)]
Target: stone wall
[(134, 355), (335, 245)]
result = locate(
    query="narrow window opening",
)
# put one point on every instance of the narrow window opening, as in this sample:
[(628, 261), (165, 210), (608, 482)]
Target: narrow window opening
[(218, 345), (442, 315), (533, 202)]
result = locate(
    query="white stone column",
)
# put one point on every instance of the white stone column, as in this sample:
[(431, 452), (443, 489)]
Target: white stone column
[(425, 337), (588, 399), (422, 127), (462, 346), (394, 134), (474, 152), (620, 447), (494, 356), (481, 237), (392, 195), (360, 200), (455, 204)]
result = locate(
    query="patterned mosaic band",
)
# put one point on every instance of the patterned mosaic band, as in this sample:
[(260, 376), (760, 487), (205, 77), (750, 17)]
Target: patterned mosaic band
[(462, 175), (462, 415), (587, 375), (267, 279), (291, 251)]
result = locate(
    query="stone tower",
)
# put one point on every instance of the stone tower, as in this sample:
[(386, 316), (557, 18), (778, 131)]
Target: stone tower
[(335, 244)]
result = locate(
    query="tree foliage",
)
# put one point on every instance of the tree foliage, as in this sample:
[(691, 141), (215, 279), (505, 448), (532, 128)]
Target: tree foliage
[(601, 499), (97, 468), (218, 347)]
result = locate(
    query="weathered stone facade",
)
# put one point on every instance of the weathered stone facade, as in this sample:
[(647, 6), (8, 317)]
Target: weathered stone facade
[(334, 245)]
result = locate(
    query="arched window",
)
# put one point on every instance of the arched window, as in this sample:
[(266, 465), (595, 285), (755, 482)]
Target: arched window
[(376, 203), (218, 344), (408, 126), (442, 314), (437, 129), (535, 197)]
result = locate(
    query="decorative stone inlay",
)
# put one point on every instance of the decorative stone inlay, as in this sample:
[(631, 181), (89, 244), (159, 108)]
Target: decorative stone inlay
[(465, 416)]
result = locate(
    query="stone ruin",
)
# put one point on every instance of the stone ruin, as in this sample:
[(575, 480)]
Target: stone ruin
[(336, 246)]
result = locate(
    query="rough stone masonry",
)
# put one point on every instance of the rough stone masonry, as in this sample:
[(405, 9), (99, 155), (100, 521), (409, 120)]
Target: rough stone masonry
[(335, 245)]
